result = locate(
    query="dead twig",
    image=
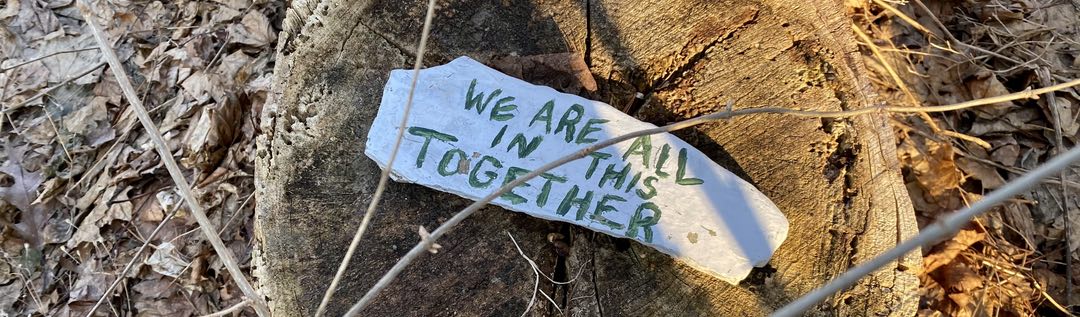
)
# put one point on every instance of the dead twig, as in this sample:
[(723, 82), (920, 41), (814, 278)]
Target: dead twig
[(131, 263), (231, 309), (536, 285), (4, 69), (536, 270), (48, 90), (184, 188), (424, 244), (876, 51), (386, 172), (1059, 145), (902, 16)]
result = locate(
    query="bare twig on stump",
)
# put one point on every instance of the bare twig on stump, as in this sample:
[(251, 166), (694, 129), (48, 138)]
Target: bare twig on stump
[(386, 172)]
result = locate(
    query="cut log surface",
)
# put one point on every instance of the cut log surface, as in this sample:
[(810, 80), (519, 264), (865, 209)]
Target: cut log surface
[(837, 181)]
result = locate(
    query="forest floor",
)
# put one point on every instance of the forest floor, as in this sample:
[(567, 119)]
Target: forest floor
[(82, 188)]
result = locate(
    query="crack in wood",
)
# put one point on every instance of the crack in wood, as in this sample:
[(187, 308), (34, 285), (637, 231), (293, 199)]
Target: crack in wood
[(348, 36), (749, 15), (588, 33), (401, 49)]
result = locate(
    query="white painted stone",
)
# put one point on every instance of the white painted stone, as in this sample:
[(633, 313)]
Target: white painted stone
[(713, 221)]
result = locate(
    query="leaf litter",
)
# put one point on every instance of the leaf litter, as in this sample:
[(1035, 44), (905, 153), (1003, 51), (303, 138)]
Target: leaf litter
[(1012, 261), (81, 187)]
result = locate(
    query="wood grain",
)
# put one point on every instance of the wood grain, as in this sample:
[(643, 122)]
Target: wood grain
[(837, 181)]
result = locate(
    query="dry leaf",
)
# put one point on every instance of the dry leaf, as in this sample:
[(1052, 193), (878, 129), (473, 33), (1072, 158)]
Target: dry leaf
[(64, 66), (945, 252), (165, 261), (91, 122), (1005, 151), (932, 164), (176, 305), (985, 84), (986, 174), (24, 189), (231, 64), (154, 288), (103, 214), (213, 133), (203, 86), (24, 81), (957, 277), (91, 282), (254, 29), (9, 294), (33, 21), (1018, 217)]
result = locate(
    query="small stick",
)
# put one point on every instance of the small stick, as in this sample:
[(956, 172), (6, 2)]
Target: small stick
[(131, 263), (940, 229), (184, 188), (59, 137), (386, 172), (536, 285), (424, 244), (905, 17), (1044, 77), (231, 309), (46, 91), (4, 69)]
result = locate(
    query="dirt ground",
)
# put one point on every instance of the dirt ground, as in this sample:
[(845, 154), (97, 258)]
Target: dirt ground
[(82, 189)]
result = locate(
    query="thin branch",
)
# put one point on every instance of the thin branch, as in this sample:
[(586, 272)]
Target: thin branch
[(4, 69), (536, 285), (223, 252), (892, 72), (905, 17), (1051, 102), (386, 172), (46, 91), (131, 263), (59, 136), (424, 244), (539, 273), (231, 309), (940, 229)]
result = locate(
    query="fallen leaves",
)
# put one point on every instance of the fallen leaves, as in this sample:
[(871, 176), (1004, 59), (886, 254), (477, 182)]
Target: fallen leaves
[(945, 252), (81, 188), (253, 30), (932, 164), (999, 265)]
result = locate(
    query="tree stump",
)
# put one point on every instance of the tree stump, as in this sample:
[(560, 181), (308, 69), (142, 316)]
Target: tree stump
[(837, 181)]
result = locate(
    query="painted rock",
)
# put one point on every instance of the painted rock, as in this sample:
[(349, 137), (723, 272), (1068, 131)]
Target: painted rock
[(473, 129)]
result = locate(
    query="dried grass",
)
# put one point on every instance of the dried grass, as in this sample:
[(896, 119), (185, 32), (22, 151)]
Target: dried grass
[(953, 51)]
